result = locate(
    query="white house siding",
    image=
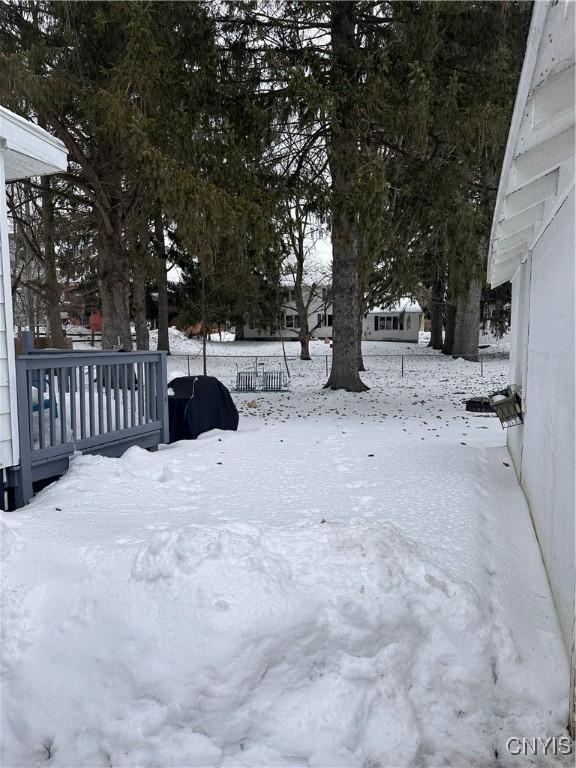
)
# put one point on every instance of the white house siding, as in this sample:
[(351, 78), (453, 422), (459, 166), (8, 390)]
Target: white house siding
[(25, 150), (543, 362), (9, 453), (532, 244)]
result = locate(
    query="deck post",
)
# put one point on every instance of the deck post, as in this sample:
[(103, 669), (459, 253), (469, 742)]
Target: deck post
[(24, 490), (26, 342), (162, 396)]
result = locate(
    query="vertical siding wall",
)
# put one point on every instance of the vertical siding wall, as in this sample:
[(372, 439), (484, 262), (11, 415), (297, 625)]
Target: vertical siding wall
[(543, 449), (8, 422)]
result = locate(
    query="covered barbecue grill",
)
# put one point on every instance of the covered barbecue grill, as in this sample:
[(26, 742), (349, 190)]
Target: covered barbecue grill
[(197, 404)]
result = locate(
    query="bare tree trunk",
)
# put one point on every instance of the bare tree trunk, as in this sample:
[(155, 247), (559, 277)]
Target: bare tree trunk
[(204, 327), (52, 288), (437, 315), (467, 327), (304, 331), (139, 302), (448, 345), (304, 339), (113, 283), (343, 156), (160, 247), (31, 266), (361, 366), (204, 357), (31, 310)]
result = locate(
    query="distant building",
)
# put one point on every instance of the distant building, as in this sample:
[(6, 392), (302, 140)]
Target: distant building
[(286, 325), (399, 322)]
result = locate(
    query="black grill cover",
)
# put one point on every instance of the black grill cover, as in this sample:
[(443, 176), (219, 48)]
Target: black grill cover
[(199, 403)]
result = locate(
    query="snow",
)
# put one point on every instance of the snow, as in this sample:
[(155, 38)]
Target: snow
[(78, 330), (348, 580), (402, 305)]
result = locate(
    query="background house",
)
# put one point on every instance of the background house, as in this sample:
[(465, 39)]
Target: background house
[(533, 245), (317, 297), (399, 322)]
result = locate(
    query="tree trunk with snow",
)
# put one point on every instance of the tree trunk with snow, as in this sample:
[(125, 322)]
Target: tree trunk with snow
[(301, 308), (304, 330), (304, 339), (467, 328), (361, 366), (343, 156), (448, 345), (437, 315), (204, 326)]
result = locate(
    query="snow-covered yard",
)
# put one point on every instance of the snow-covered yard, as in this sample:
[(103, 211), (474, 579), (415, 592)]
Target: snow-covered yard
[(348, 580)]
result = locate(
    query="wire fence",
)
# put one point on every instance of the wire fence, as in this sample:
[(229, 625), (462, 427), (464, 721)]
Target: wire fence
[(318, 367)]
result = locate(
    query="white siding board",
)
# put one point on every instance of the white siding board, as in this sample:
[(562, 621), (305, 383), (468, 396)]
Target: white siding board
[(543, 449), (542, 133), (4, 398), (9, 453), (25, 150)]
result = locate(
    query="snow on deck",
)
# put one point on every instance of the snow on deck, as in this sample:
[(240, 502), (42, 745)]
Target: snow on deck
[(348, 580)]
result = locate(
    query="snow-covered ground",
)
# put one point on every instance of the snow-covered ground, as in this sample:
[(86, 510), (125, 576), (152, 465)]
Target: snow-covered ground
[(348, 580)]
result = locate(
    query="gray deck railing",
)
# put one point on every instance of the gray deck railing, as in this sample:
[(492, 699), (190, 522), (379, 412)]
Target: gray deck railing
[(92, 402)]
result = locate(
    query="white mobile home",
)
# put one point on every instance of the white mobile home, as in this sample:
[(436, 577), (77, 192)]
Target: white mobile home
[(399, 322), (25, 150), (533, 246)]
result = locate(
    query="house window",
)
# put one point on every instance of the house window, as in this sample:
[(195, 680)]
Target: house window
[(319, 320), (329, 321), (384, 323), (388, 323), (292, 321)]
